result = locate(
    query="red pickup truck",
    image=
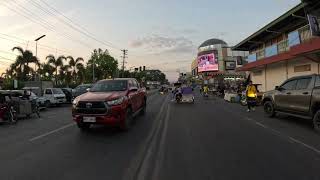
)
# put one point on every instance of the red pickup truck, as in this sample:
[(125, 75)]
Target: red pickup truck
[(112, 102)]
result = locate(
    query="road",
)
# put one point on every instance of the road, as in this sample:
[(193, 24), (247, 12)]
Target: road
[(211, 139)]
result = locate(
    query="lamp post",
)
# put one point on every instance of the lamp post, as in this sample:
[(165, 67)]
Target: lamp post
[(36, 40)]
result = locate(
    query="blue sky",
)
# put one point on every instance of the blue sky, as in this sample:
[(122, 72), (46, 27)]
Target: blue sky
[(160, 34)]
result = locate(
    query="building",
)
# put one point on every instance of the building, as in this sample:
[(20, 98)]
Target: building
[(194, 68), (224, 61), (284, 48)]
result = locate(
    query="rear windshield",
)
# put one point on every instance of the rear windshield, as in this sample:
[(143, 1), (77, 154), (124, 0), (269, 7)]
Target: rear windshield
[(110, 85), (83, 87), (57, 91)]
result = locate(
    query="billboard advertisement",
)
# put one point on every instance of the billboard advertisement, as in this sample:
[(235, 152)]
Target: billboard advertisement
[(208, 62), (230, 65)]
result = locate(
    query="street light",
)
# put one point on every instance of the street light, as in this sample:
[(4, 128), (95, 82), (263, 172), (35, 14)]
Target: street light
[(36, 40)]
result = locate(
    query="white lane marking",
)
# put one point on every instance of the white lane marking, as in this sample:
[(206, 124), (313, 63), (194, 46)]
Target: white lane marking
[(305, 145), (289, 138), (262, 125), (161, 150), (51, 132)]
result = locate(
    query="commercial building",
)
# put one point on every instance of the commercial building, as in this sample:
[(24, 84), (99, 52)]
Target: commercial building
[(284, 48), (216, 61)]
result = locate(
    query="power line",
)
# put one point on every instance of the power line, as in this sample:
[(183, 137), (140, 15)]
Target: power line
[(42, 45), (74, 25), (6, 58), (26, 16)]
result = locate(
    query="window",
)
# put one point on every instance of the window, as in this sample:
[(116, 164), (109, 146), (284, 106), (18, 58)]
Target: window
[(317, 81), (136, 83), (109, 85), (257, 73), (303, 83), (48, 91), (130, 83), (302, 68), (57, 91), (291, 85)]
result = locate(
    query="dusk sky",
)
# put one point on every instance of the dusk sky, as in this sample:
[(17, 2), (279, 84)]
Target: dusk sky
[(161, 34)]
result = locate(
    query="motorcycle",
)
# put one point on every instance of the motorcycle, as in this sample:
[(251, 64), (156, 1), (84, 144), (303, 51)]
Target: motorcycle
[(178, 97), (8, 114)]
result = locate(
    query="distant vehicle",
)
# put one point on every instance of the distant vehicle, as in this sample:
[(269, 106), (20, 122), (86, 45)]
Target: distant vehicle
[(54, 96), (298, 96), (81, 89), (68, 93), (110, 102)]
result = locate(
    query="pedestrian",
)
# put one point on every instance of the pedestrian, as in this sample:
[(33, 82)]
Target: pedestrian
[(251, 93)]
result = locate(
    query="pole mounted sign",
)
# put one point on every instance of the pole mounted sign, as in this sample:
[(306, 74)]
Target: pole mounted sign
[(314, 25)]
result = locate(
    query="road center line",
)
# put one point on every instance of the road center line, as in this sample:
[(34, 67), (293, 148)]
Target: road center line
[(51, 132)]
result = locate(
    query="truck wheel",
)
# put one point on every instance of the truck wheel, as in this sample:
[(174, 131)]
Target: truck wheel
[(269, 109), (126, 125), (316, 121), (84, 126)]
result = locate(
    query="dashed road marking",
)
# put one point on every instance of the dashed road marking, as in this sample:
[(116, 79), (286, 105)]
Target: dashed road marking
[(289, 138), (52, 132)]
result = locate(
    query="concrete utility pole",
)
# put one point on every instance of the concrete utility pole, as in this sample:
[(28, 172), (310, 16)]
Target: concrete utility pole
[(124, 56)]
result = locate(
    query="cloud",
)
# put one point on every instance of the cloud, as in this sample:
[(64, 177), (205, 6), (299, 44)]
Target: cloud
[(189, 31), (163, 44)]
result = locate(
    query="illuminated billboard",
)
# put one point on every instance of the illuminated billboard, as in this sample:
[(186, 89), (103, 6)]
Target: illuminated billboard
[(208, 62)]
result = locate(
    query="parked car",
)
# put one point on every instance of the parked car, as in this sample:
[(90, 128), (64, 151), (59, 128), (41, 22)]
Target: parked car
[(68, 93), (54, 96), (110, 102), (81, 89), (298, 96)]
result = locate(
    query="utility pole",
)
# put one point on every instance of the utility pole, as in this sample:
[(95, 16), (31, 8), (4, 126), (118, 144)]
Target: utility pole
[(124, 56)]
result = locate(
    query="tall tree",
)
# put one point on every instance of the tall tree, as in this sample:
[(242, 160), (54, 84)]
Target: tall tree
[(104, 64), (21, 65), (65, 75), (57, 63), (73, 63), (46, 70)]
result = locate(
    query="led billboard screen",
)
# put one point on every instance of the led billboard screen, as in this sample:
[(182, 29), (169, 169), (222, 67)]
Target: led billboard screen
[(208, 62)]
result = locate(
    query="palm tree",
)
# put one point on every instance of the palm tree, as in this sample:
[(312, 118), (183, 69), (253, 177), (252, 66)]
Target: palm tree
[(65, 74), (57, 63), (81, 73), (73, 65), (22, 62), (46, 70)]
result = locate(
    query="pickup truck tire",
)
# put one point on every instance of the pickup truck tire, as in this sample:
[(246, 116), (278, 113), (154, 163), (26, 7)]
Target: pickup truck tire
[(316, 121), (269, 109), (84, 126), (126, 125)]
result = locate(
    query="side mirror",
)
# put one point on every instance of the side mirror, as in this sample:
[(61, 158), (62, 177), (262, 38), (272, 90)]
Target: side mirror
[(88, 89), (133, 89), (276, 88)]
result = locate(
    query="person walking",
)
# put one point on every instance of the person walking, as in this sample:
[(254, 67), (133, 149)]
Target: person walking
[(251, 93)]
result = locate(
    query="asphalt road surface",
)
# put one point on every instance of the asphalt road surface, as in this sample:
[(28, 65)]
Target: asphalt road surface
[(211, 139)]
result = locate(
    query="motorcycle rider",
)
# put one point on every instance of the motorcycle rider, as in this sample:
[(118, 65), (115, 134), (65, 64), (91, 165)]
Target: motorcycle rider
[(205, 90), (251, 93)]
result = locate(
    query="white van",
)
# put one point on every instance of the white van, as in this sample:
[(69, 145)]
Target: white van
[(55, 96)]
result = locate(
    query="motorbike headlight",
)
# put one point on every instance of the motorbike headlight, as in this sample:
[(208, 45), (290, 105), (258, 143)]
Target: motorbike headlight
[(116, 101)]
